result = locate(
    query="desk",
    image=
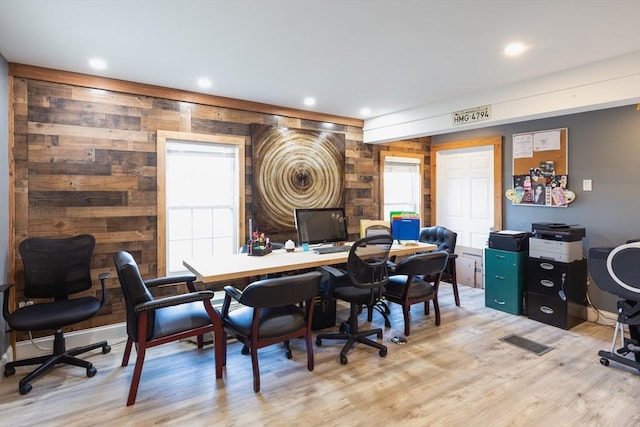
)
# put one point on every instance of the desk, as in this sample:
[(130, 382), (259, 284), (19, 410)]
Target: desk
[(217, 268)]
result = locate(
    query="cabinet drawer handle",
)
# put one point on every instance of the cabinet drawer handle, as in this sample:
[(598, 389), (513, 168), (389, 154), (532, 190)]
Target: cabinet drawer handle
[(499, 302), (500, 256), (546, 310), (547, 283), (546, 266), (499, 277)]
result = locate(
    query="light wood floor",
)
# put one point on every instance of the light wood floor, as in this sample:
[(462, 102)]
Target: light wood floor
[(457, 374)]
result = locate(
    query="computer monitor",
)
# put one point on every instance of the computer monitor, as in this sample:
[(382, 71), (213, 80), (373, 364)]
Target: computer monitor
[(321, 225)]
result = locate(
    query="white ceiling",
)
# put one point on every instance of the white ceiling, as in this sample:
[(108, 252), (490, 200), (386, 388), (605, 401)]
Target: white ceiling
[(382, 54)]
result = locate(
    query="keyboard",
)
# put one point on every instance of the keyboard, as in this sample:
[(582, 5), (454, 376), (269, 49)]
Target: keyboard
[(331, 249)]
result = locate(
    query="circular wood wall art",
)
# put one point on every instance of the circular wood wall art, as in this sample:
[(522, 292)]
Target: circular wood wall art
[(295, 169)]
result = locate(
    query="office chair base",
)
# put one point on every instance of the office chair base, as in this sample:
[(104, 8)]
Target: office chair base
[(47, 362), (382, 308), (351, 339)]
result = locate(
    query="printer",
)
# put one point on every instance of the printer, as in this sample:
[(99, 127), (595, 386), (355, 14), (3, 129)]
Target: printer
[(557, 231), (556, 242), (509, 240)]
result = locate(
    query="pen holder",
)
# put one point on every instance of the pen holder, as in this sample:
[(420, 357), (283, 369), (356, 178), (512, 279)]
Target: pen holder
[(259, 250)]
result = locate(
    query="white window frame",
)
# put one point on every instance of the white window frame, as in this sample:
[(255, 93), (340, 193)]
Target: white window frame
[(399, 158), (237, 142)]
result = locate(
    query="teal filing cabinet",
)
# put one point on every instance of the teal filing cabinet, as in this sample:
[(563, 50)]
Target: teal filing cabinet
[(504, 279)]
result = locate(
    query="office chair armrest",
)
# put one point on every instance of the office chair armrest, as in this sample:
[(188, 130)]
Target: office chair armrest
[(234, 293), (174, 300), (169, 280), (453, 256), (103, 277), (332, 271), (5, 307)]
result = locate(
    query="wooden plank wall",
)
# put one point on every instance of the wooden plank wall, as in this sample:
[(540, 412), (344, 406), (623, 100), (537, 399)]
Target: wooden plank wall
[(85, 162)]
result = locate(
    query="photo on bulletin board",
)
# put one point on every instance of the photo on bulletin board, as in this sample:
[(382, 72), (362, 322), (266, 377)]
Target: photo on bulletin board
[(540, 169)]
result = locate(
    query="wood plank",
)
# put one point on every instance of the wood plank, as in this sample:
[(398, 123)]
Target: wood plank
[(87, 132), (42, 182)]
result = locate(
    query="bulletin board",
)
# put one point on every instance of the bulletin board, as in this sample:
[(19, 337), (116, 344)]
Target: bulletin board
[(541, 169)]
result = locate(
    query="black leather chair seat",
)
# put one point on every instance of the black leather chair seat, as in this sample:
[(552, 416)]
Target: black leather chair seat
[(353, 294), (274, 321), (174, 319), (419, 288), (54, 315)]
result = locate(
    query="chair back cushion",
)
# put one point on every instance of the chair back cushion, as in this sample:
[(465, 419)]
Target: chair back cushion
[(56, 268), (367, 261), (426, 264), (134, 291), (444, 238), (281, 291)]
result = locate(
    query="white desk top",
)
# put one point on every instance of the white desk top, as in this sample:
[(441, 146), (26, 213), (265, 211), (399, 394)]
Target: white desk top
[(217, 268)]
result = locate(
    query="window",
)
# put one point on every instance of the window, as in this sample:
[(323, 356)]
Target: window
[(401, 182), (200, 197)]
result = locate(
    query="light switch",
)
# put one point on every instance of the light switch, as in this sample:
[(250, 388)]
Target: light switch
[(586, 185)]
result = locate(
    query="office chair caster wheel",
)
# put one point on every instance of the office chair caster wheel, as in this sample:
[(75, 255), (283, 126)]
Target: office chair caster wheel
[(9, 371), (245, 350), (91, 371), (24, 388), (106, 349), (343, 360), (383, 353), (604, 361), (318, 343), (379, 334)]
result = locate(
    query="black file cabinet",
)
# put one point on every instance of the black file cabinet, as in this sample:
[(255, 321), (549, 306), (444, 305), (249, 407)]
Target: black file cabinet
[(557, 292)]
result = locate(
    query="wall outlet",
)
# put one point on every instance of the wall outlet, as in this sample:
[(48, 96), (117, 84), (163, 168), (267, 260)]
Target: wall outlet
[(586, 185)]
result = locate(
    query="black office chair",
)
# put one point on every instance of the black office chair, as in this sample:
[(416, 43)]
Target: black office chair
[(367, 273), (55, 269), (379, 304), (271, 314), (408, 285), (445, 239), (617, 271), (152, 322)]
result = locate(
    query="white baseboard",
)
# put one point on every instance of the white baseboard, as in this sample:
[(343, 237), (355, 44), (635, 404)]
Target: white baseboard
[(110, 333)]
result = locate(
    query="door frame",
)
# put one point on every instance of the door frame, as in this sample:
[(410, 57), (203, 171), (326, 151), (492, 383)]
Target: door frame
[(496, 142)]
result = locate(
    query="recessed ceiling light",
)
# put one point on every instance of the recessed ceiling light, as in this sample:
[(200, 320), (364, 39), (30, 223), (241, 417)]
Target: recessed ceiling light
[(204, 83), (308, 101), (365, 111), (515, 49), (97, 63)]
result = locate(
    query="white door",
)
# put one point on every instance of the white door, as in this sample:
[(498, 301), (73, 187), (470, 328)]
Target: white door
[(464, 188)]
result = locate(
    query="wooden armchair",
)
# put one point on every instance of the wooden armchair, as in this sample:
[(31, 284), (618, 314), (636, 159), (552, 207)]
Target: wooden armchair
[(271, 314), (152, 322)]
